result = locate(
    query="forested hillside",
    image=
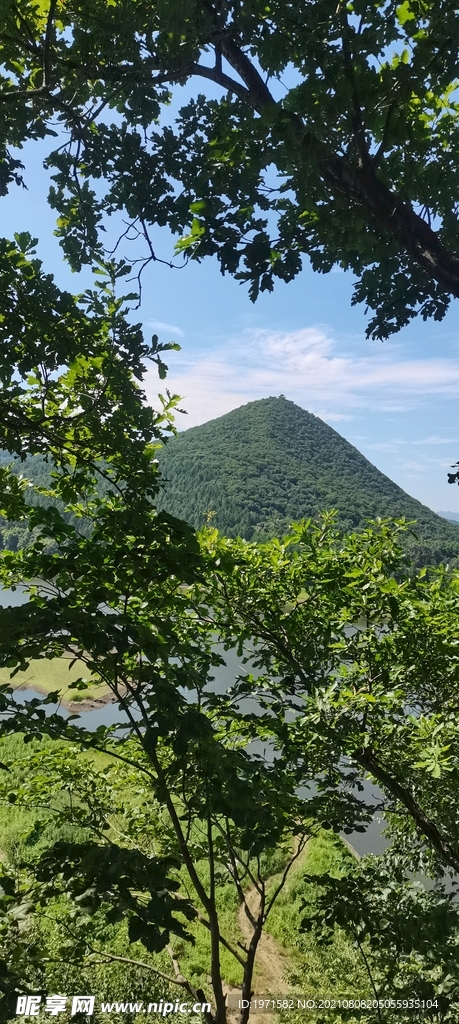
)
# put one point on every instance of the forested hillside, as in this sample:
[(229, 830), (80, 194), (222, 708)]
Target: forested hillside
[(14, 536), (270, 462), (265, 465)]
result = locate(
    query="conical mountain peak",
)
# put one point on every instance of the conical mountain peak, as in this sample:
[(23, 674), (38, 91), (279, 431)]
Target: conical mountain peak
[(269, 463)]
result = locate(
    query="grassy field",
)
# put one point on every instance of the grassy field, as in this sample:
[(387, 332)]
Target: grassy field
[(333, 969), (57, 674)]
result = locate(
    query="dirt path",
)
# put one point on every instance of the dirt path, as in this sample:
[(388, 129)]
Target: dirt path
[(272, 961)]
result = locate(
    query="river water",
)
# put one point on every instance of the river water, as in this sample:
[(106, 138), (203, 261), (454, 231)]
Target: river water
[(370, 841)]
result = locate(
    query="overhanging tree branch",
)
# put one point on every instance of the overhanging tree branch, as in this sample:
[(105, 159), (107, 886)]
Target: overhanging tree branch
[(447, 853), (216, 74)]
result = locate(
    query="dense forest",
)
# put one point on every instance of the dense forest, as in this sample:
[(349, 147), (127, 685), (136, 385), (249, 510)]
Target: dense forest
[(14, 535), (263, 466), (258, 469), (269, 463), (37, 470)]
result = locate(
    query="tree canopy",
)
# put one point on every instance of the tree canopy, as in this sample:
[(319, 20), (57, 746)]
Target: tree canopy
[(364, 656), (121, 597), (309, 129)]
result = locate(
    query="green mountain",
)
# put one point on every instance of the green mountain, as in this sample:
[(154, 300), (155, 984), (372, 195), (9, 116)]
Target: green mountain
[(266, 465), (269, 463)]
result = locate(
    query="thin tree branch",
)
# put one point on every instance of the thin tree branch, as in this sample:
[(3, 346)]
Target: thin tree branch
[(224, 942), (301, 845), (425, 826), (214, 925), (197, 884), (260, 95), (140, 963), (47, 64), (215, 74), (368, 970), (180, 978)]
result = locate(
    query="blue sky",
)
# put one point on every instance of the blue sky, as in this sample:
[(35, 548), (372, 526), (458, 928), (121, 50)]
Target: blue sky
[(397, 402)]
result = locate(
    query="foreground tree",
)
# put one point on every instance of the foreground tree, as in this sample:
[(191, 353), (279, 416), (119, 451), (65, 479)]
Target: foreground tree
[(123, 589), (333, 135), (406, 936), (364, 654)]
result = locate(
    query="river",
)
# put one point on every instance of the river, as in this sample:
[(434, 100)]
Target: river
[(370, 841)]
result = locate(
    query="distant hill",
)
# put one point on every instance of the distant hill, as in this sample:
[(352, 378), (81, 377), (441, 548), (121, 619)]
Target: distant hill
[(270, 462), (452, 517)]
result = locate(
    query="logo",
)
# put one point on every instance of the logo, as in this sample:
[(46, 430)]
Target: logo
[(83, 1004), (29, 1006)]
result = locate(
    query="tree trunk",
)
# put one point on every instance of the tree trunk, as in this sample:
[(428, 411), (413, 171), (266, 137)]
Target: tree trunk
[(250, 961)]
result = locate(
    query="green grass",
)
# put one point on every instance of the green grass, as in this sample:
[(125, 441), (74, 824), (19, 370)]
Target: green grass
[(329, 970), (47, 675), (26, 831)]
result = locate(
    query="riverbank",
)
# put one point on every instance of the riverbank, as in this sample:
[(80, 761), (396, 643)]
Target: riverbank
[(83, 704), (46, 676)]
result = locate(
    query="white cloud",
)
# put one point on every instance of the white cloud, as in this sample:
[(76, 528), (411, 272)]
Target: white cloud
[(159, 325), (333, 417), (418, 467), (437, 440), (307, 366), (386, 446)]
